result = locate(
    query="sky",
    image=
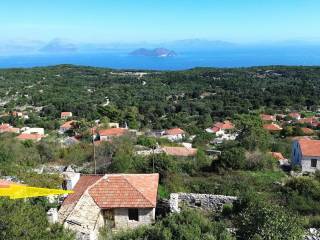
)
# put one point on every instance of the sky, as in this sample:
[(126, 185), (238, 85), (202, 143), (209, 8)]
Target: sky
[(159, 20)]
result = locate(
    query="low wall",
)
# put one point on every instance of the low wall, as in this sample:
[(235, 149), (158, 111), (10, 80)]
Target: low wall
[(208, 202)]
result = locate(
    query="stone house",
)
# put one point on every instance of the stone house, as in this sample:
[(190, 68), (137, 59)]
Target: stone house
[(306, 153), (119, 201)]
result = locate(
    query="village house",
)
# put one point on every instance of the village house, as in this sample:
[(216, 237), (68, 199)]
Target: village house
[(110, 133), (174, 134), (66, 115), (66, 126), (268, 118), (223, 130), (5, 127), (307, 131), (180, 151), (280, 158), (28, 130), (295, 115), (306, 154), (272, 127), (311, 121), (30, 136), (120, 201)]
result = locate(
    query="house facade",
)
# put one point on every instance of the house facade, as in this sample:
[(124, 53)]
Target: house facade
[(110, 133), (120, 201), (66, 115), (306, 154), (174, 134)]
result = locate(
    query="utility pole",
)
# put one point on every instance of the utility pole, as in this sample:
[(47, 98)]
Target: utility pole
[(94, 151)]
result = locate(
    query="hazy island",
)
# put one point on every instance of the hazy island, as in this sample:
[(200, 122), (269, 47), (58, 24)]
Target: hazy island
[(157, 52)]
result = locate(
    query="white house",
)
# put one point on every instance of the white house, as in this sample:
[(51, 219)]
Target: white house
[(306, 153), (120, 200), (174, 134), (27, 130), (223, 130), (66, 115)]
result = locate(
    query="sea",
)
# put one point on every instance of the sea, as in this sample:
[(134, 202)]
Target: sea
[(185, 59)]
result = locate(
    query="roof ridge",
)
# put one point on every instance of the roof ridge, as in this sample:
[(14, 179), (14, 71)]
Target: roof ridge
[(137, 190)]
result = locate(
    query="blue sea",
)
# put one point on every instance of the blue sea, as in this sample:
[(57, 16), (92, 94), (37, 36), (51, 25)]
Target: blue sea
[(224, 57)]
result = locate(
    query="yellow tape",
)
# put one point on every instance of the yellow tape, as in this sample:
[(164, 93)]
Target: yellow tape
[(20, 191)]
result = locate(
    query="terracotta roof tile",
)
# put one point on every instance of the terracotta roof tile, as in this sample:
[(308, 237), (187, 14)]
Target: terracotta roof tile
[(307, 131), (174, 131), (224, 125), (66, 114), (28, 136), (82, 185), (309, 147), (265, 117), (126, 191), (277, 155), (180, 151), (272, 127), (114, 132), (68, 124)]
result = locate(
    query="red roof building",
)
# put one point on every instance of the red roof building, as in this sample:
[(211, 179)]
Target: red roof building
[(180, 151), (267, 118), (307, 131), (32, 137), (277, 155), (295, 115), (108, 134), (124, 200), (272, 127), (174, 131), (65, 115)]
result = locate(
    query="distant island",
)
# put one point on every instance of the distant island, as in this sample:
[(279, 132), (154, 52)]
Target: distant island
[(157, 52)]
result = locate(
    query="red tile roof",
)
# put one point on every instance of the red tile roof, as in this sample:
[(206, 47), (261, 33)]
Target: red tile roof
[(27, 136), (272, 127), (265, 117), (126, 191), (66, 114), (294, 115), (174, 131), (67, 125), (113, 132), (277, 155), (180, 151), (7, 183), (307, 131), (4, 126), (82, 185), (309, 147), (224, 125), (118, 190), (309, 120)]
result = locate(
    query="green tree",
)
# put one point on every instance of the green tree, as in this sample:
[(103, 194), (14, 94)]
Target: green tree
[(260, 220)]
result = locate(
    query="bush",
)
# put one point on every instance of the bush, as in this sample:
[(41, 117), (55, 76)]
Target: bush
[(189, 224), (260, 220)]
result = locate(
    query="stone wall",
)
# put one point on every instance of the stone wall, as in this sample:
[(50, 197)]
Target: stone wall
[(208, 202), (121, 219)]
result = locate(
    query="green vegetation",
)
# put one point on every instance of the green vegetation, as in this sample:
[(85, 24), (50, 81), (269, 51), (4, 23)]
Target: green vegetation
[(191, 100)]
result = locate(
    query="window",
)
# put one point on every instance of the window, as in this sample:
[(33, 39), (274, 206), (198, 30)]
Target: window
[(314, 163), (133, 214)]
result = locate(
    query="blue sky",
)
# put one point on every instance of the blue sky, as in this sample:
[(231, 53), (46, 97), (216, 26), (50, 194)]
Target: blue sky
[(160, 20)]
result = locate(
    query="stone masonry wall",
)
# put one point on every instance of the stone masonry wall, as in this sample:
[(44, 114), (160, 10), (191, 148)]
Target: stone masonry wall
[(208, 202), (146, 216)]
